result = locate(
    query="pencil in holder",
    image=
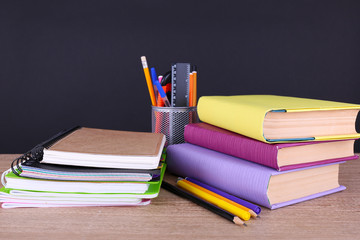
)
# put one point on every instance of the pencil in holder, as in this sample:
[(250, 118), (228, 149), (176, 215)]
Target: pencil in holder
[(171, 121)]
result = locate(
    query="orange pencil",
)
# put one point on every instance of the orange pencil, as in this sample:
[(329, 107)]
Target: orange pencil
[(148, 80), (191, 90), (195, 88)]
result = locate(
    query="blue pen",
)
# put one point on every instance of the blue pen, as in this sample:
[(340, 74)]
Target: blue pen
[(153, 78), (162, 93)]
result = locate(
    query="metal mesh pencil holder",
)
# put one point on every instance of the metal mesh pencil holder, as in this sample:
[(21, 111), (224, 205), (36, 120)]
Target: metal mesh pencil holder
[(171, 121)]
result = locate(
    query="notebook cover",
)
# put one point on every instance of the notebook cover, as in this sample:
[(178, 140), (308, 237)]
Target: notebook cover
[(110, 142), (234, 144), (245, 114), (235, 176)]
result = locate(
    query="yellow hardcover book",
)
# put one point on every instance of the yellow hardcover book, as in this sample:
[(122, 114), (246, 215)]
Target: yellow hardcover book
[(274, 119)]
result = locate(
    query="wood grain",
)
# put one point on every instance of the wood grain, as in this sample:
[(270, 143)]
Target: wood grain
[(336, 216)]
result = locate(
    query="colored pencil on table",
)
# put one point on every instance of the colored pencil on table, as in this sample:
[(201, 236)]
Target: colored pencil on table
[(202, 188), (240, 201), (148, 80), (202, 203), (184, 184)]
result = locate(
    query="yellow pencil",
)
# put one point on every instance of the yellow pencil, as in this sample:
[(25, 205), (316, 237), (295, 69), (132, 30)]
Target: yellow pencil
[(148, 80), (252, 213), (214, 200)]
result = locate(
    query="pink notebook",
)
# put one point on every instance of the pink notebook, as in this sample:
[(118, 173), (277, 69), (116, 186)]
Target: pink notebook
[(281, 156)]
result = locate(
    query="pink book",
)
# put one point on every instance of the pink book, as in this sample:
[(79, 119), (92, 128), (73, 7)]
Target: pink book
[(280, 156)]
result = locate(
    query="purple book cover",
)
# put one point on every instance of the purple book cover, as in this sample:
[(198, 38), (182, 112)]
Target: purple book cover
[(234, 144), (235, 176)]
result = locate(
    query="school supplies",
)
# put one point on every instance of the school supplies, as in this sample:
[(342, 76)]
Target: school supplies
[(33, 169), (154, 78), (280, 156), (202, 203), (202, 188), (159, 88), (273, 119), (148, 80), (32, 183), (256, 209), (251, 181), (191, 90), (194, 73), (171, 122), (180, 77), (244, 215), (179, 91), (20, 192), (15, 182), (18, 199), (106, 149)]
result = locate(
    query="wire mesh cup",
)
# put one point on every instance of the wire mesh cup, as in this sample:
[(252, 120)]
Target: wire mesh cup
[(171, 121)]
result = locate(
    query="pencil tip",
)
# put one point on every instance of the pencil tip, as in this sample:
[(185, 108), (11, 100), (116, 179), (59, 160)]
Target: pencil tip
[(245, 224), (258, 216)]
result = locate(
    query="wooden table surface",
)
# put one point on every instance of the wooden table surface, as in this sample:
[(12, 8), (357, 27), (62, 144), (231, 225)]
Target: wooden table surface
[(336, 216)]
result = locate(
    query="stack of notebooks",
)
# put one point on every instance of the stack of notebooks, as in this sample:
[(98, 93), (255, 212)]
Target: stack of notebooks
[(87, 167), (271, 150)]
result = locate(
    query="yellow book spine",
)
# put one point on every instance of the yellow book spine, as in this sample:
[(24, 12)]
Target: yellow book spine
[(233, 115)]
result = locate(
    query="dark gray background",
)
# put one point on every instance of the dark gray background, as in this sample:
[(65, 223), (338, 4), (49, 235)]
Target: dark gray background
[(65, 63)]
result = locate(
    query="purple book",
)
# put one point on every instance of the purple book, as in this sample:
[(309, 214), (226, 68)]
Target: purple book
[(253, 182), (281, 156)]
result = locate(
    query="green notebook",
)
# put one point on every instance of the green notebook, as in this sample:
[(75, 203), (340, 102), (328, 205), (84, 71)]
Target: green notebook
[(27, 198), (130, 189)]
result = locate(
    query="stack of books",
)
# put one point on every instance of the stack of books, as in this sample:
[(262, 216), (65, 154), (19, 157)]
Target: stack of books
[(271, 150), (87, 167)]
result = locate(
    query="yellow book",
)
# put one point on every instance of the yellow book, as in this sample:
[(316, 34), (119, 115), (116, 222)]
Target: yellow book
[(274, 119)]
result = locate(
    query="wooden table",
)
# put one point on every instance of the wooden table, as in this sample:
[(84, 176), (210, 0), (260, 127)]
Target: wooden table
[(336, 216)]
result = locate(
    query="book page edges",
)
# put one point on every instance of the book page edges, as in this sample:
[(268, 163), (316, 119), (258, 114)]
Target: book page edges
[(316, 195)]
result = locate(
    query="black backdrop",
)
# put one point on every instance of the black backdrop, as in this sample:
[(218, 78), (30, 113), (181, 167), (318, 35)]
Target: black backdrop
[(65, 63)]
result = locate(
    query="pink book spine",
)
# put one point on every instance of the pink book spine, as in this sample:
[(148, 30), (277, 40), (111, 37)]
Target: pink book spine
[(221, 140)]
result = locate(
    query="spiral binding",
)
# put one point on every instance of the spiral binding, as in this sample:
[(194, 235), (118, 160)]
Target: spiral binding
[(32, 156), (36, 154)]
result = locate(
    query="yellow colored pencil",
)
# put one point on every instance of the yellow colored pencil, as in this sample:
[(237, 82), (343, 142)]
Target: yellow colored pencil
[(148, 80), (252, 213), (214, 200)]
